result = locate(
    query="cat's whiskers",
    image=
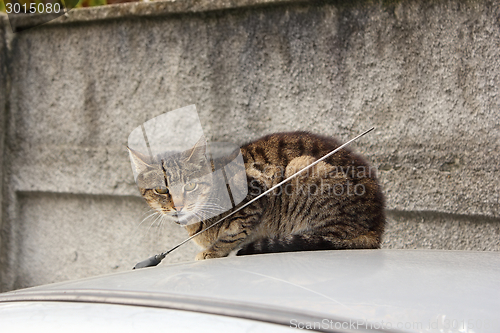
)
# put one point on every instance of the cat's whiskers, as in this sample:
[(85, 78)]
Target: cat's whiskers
[(162, 223), (212, 200), (146, 213), (154, 221), (209, 205), (159, 226), (198, 217), (147, 210), (211, 210), (206, 214), (147, 217)]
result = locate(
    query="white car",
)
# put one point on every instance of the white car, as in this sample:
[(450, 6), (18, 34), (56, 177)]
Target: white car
[(325, 291)]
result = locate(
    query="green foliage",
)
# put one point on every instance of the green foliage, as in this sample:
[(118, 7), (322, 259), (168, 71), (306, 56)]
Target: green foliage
[(90, 3)]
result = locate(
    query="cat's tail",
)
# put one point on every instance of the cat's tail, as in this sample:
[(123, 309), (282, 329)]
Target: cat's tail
[(292, 243)]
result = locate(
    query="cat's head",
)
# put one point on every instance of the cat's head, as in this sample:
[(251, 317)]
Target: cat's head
[(179, 186)]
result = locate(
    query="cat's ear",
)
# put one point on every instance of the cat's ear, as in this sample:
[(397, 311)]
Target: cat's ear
[(197, 154), (140, 161)]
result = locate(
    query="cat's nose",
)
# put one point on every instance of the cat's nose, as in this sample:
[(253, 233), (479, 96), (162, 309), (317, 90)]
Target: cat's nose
[(178, 208)]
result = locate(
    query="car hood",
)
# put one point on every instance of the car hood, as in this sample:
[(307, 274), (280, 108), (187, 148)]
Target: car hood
[(410, 290)]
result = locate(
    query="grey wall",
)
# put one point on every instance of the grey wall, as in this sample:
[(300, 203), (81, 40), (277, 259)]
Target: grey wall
[(3, 103), (425, 74)]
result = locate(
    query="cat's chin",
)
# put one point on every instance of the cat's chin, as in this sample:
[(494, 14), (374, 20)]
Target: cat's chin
[(182, 223), (181, 219)]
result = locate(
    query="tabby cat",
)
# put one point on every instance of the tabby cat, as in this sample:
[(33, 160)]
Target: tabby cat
[(337, 204)]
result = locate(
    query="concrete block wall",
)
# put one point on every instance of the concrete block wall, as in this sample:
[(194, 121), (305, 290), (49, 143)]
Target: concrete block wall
[(425, 74), (3, 127)]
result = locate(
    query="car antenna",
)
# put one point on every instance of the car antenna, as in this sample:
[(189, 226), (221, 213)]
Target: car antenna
[(156, 259)]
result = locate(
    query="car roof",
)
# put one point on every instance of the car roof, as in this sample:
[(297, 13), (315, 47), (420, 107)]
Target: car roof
[(412, 290)]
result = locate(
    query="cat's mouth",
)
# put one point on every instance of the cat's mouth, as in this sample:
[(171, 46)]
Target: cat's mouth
[(180, 218)]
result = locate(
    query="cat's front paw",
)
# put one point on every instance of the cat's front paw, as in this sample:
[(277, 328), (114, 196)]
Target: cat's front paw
[(206, 255)]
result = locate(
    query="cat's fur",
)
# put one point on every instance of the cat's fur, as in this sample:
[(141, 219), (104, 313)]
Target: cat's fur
[(337, 204)]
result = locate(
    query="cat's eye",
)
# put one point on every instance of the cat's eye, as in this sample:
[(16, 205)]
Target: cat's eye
[(190, 186), (161, 190)]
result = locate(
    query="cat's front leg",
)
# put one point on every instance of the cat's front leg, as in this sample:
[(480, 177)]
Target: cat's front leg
[(208, 254), (229, 239), (218, 250), (233, 233)]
